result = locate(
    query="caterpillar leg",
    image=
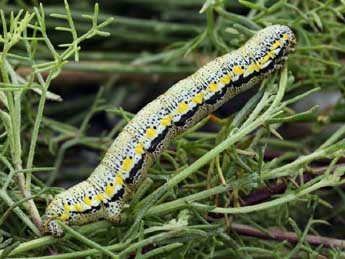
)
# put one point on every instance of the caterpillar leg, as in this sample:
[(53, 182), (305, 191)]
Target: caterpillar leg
[(112, 211), (278, 66)]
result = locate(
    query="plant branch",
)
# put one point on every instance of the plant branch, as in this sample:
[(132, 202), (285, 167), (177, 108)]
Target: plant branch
[(291, 237)]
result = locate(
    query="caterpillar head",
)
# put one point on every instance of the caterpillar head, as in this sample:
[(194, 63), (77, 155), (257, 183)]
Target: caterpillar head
[(54, 212), (275, 42), (284, 39), (77, 205)]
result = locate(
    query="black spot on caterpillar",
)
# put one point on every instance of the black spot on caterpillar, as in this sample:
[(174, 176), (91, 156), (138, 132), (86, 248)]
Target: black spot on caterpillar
[(103, 194)]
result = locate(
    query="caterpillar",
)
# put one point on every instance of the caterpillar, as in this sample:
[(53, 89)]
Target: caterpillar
[(142, 140)]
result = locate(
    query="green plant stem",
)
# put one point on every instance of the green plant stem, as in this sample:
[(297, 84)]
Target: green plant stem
[(155, 239), (13, 100), (286, 169), (48, 240), (124, 248), (14, 117), (87, 241), (291, 237), (184, 202), (237, 18), (326, 182), (35, 131), (4, 196), (160, 250)]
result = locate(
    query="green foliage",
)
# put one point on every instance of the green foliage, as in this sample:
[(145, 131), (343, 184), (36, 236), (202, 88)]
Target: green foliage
[(197, 201)]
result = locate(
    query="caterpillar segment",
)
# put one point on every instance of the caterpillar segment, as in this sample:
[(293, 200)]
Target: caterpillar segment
[(143, 139)]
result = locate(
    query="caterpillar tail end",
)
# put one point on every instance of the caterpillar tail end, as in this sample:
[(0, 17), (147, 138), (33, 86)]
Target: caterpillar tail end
[(54, 213), (51, 227)]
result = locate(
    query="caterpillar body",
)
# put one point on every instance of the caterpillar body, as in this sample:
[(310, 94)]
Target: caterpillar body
[(142, 140)]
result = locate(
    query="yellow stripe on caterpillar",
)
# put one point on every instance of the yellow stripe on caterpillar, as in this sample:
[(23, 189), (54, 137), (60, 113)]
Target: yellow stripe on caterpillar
[(151, 133), (213, 87), (127, 163), (198, 99), (88, 200), (109, 190), (67, 207), (166, 120), (238, 70), (64, 216), (225, 80), (119, 179), (139, 149), (182, 107), (78, 207)]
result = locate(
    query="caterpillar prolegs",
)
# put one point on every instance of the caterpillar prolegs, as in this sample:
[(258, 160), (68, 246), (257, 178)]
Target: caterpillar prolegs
[(103, 194)]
